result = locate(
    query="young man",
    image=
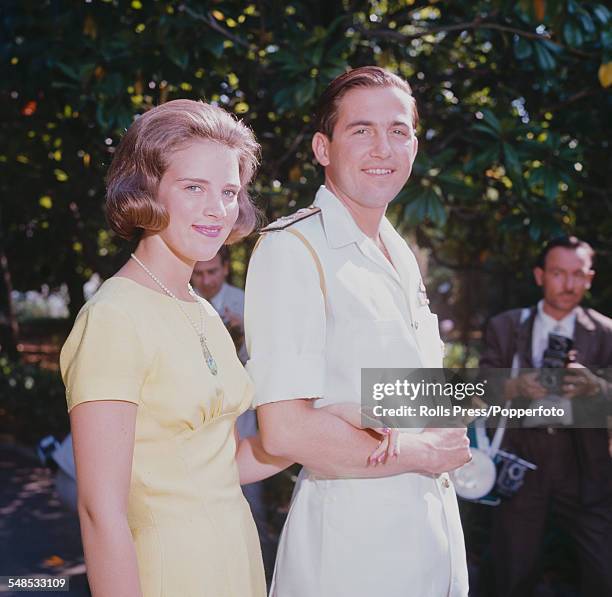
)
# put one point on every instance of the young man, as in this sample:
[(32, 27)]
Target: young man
[(330, 291), (574, 474), (209, 279)]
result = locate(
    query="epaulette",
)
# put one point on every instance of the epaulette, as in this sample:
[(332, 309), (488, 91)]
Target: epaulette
[(286, 221)]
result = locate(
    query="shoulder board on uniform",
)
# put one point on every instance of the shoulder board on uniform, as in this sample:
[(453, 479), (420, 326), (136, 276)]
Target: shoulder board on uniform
[(286, 221)]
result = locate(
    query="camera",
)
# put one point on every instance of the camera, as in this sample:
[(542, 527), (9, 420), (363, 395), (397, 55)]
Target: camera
[(554, 361)]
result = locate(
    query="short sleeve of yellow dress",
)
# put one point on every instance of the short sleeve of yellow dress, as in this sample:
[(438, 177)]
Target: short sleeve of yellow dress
[(192, 528)]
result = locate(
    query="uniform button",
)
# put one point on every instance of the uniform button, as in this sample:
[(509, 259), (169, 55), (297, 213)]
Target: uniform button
[(416, 325), (445, 482)]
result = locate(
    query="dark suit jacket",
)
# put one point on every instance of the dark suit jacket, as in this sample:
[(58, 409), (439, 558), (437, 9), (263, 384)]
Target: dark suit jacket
[(505, 336)]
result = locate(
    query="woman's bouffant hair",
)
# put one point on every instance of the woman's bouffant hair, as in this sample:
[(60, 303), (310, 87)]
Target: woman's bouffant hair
[(326, 113), (141, 159)]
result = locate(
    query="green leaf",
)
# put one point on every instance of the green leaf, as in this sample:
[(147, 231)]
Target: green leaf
[(535, 231), (491, 120), (332, 72), (304, 92), (483, 159), (444, 157), (283, 99), (112, 85), (487, 130), (414, 213), (572, 34), (454, 184), (522, 48), (545, 59), (602, 14), (214, 44), (68, 71), (552, 46), (103, 118), (551, 184), (425, 206), (409, 193), (586, 22), (317, 54), (177, 57), (85, 70), (511, 160)]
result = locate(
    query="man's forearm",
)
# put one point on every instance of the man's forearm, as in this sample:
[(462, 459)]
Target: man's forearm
[(327, 445)]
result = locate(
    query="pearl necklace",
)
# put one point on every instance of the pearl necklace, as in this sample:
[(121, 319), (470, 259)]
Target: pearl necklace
[(210, 360)]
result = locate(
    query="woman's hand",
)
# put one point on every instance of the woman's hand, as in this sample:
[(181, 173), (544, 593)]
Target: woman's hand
[(389, 446), (354, 414)]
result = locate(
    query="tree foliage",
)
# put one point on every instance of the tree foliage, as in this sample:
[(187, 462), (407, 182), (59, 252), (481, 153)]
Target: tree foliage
[(513, 98)]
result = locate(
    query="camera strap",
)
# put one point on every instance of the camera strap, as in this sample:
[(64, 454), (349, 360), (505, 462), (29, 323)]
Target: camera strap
[(491, 447)]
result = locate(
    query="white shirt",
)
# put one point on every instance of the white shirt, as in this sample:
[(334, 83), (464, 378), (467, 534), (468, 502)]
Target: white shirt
[(304, 344), (231, 298), (545, 324)]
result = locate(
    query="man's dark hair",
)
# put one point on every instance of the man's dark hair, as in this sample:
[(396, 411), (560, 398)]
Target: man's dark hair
[(224, 254), (567, 242), (326, 113)]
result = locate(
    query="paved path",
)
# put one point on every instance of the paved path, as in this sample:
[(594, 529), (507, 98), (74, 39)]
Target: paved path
[(37, 535)]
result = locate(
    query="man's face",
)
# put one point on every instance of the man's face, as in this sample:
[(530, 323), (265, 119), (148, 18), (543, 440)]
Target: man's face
[(565, 278), (208, 276), (370, 156)]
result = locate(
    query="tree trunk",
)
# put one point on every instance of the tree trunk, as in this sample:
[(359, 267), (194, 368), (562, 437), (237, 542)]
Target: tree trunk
[(13, 325)]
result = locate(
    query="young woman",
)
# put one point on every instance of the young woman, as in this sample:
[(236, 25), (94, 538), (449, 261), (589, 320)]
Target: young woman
[(153, 382)]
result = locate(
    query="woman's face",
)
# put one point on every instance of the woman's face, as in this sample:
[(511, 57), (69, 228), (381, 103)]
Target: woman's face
[(200, 192)]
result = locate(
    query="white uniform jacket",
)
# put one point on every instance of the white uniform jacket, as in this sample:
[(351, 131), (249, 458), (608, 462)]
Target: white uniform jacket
[(397, 536)]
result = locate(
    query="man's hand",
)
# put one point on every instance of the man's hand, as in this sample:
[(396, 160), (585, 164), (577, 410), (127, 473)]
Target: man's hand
[(232, 319), (443, 450), (580, 382), (527, 385)]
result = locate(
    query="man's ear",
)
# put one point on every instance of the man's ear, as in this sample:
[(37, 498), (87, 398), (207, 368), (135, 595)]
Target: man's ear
[(320, 148), (538, 274), (590, 276), (415, 149)]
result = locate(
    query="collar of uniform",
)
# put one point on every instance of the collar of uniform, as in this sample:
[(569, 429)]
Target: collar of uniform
[(340, 228)]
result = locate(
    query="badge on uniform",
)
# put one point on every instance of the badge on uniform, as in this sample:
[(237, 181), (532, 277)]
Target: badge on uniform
[(286, 221), (422, 294)]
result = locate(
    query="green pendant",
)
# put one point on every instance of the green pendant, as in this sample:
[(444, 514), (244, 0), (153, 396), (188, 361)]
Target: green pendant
[(210, 360)]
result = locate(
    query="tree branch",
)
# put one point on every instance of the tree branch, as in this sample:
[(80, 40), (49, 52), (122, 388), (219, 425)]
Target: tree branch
[(289, 152), (574, 98), (476, 24), (211, 22)]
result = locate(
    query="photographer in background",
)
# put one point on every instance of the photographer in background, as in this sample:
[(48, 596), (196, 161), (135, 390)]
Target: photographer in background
[(209, 280), (573, 480)]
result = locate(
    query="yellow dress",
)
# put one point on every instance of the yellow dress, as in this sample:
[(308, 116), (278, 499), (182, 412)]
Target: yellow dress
[(192, 527)]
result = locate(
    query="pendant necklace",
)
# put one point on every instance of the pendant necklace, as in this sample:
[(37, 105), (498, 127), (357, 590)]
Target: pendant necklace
[(210, 360)]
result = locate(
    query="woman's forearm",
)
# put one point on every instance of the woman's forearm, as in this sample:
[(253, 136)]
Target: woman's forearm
[(110, 556), (254, 463), (347, 411)]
